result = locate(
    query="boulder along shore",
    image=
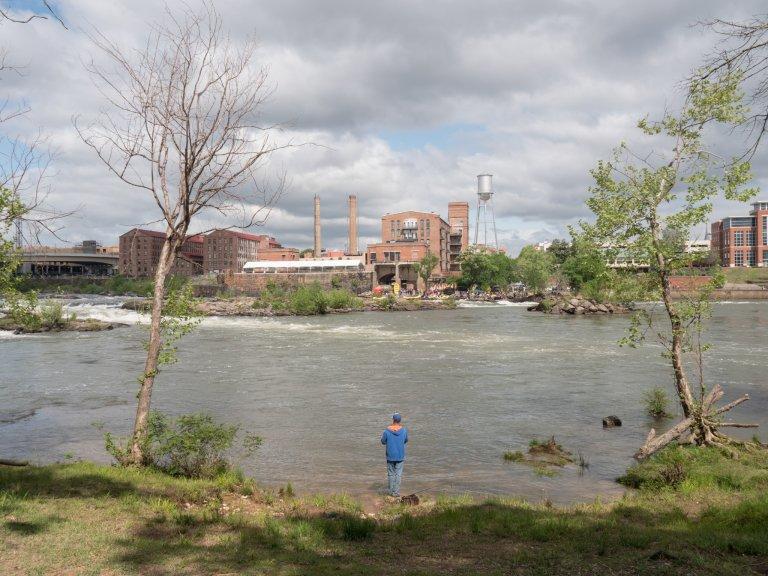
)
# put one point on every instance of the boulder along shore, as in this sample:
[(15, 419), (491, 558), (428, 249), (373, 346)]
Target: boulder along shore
[(577, 305)]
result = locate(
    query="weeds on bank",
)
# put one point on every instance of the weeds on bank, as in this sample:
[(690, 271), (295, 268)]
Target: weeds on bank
[(544, 457), (190, 445), (657, 402), (306, 300)]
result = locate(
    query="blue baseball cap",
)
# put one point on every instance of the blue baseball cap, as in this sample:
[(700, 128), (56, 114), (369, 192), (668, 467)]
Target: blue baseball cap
[(396, 417)]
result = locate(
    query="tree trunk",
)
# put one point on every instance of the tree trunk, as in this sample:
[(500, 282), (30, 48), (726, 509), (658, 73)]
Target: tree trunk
[(164, 265), (681, 381)]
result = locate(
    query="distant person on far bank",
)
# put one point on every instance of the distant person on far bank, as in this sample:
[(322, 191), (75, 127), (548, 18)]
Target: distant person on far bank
[(395, 437)]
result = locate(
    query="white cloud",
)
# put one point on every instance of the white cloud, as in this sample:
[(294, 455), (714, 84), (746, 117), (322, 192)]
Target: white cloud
[(550, 87)]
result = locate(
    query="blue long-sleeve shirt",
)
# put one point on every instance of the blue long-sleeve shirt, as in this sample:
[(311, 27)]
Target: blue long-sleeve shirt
[(395, 438)]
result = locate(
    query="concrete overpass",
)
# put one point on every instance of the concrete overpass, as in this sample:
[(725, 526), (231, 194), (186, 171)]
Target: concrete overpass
[(68, 263)]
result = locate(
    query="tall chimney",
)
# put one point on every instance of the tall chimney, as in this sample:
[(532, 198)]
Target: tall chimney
[(318, 243), (352, 247)]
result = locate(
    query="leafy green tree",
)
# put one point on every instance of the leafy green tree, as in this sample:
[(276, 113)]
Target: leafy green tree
[(587, 267), (561, 250), (634, 201), (504, 270), (486, 269), (475, 269), (535, 267), (424, 268), (10, 210)]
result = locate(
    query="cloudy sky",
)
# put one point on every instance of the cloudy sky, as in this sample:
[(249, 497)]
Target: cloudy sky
[(408, 99)]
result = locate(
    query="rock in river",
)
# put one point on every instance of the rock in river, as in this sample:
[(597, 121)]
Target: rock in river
[(611, 422)]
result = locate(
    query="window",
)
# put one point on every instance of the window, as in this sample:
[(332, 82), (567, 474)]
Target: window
[(765, 230), (738, 238), (738, 258), (373, 257), (752, 257), (750, 238), (765, 258)]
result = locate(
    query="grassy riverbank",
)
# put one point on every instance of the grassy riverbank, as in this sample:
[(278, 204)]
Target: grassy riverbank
[(696, 512)]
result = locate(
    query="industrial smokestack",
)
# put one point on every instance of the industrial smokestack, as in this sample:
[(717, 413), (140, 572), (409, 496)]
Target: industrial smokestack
[(318, 243), (352, 247)]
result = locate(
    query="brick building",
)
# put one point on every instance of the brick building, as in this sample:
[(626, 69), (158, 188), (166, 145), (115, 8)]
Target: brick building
[(140, 253), (229, 250), (278, 253), (406, 237), (458, 220), (742, 240)]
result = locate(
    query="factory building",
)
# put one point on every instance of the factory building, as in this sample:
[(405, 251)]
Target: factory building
[(229, 250), (406, 237), (140, 253)]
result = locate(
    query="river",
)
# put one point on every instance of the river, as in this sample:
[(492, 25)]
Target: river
[(470, 383)]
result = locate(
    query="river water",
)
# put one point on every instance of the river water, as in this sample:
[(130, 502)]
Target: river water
[(470, 383)]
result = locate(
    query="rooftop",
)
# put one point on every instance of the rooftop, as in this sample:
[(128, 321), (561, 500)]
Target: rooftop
[(296, 264)]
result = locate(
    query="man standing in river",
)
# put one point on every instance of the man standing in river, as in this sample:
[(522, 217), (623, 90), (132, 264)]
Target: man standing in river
[(395, 437)]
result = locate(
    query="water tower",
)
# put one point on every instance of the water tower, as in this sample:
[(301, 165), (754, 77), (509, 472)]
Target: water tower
[(485, 221)]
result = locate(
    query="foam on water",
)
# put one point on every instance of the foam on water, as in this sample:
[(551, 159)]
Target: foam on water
[(8, 335), (492, 304), (105, 312)]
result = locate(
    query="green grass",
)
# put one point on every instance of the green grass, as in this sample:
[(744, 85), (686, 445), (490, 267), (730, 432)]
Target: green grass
[(514, 456), (82, 518), (746, 275)]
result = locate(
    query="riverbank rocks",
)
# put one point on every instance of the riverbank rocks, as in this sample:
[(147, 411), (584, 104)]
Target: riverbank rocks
[(576, 305), (251, 306), (611, 422), (79, 325)]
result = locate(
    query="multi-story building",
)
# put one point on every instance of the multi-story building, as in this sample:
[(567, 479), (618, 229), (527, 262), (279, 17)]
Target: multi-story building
[(742, 240), (406, 237), (140, 253), (458, 220), (229, 250)]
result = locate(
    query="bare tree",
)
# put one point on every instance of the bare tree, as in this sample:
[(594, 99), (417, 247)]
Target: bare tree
[(743, 49), (6, 14), (24, 163), (182, 126)]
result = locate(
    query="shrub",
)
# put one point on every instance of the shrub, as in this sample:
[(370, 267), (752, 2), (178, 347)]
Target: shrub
[(387, 302), (341, 299), (354, 528), (52, 315), (192, 445), (308, 300), (673, 474), (515, 456), (667, 469), (656, 401), (287, 491), (547, 304), (22, 308)]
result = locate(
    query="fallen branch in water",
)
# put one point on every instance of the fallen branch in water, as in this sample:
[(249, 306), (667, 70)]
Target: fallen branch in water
[(13, 462), (703, 427)]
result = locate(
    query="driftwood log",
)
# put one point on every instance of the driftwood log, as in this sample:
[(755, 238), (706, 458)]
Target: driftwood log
[(4, 462)]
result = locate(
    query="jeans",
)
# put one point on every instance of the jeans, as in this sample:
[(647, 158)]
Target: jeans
[(394, 476)]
